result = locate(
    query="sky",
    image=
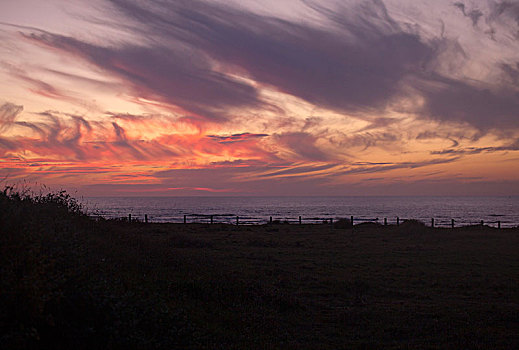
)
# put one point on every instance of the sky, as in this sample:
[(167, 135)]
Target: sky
[(242, 97)]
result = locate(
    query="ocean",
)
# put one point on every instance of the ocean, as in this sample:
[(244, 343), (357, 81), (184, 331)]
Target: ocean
[(257, 210)]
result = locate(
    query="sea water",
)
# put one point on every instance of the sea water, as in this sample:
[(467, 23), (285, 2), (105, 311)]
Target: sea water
[(255, 210)]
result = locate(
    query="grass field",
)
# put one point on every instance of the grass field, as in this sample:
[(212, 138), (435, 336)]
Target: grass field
[(68, 282)]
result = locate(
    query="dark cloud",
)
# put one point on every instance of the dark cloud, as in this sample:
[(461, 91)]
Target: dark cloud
[(513, 146), (236, 137), (501, 13), (427, 135), (454, 100), (178, 76), (370, 163), (512, 72), (474, 14), (506, 8), (461, 6), (357, 68), (37, 129)]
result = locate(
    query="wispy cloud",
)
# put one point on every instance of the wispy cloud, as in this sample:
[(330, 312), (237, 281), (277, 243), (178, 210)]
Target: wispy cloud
[(8, 114), (181, 77), (514, 146), (376, 168), (236, 137)]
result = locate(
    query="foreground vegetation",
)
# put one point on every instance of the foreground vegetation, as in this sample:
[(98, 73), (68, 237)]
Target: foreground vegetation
[(67, 282)]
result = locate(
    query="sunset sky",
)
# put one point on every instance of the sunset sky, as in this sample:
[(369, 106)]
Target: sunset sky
[(243, 97)]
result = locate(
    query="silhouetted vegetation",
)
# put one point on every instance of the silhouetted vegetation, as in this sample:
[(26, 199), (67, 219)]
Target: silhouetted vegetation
[(343, 223), (69, 282), (412, 223)]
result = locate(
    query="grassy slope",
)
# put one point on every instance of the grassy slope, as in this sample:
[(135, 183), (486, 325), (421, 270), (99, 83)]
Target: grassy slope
[(67, 282)]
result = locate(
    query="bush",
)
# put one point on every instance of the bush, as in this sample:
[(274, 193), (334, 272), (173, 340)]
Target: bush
[(413, 223), (343, 223)]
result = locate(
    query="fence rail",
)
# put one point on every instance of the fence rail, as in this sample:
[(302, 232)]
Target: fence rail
[(250, 220)]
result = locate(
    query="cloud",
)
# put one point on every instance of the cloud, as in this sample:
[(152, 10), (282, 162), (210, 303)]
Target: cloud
[(505, 10), (501, 17), (357, 68), (8, 114), (72, 137), (287, 178), (47, 88), (385, 139), (8, 145), (484, 107), (474, 14), (181, 76), (210, 60), (244, 180), (302, 146), (236, 137), (375, 168), (512, 72), (305, 170), (362, 64), (513, 146)]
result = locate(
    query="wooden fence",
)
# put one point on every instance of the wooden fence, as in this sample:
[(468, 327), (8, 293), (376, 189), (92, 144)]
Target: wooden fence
[(248, 220)]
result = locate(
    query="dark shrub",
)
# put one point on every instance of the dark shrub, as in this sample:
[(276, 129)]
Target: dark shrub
[(343, 223), (412, 223)]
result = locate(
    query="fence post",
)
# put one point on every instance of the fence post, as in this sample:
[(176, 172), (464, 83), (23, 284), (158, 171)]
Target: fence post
[(237, 221), (397, 221), (211, 219), (185, 219), (145, 218), (331, 221), (432, 222), (452, 223), (299, 219), (351, 219), (499, 224), (481, 222), (385, 221), (271, 219), (130, 218)]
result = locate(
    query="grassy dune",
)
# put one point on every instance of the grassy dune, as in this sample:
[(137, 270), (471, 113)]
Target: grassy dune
[(67, 282)]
